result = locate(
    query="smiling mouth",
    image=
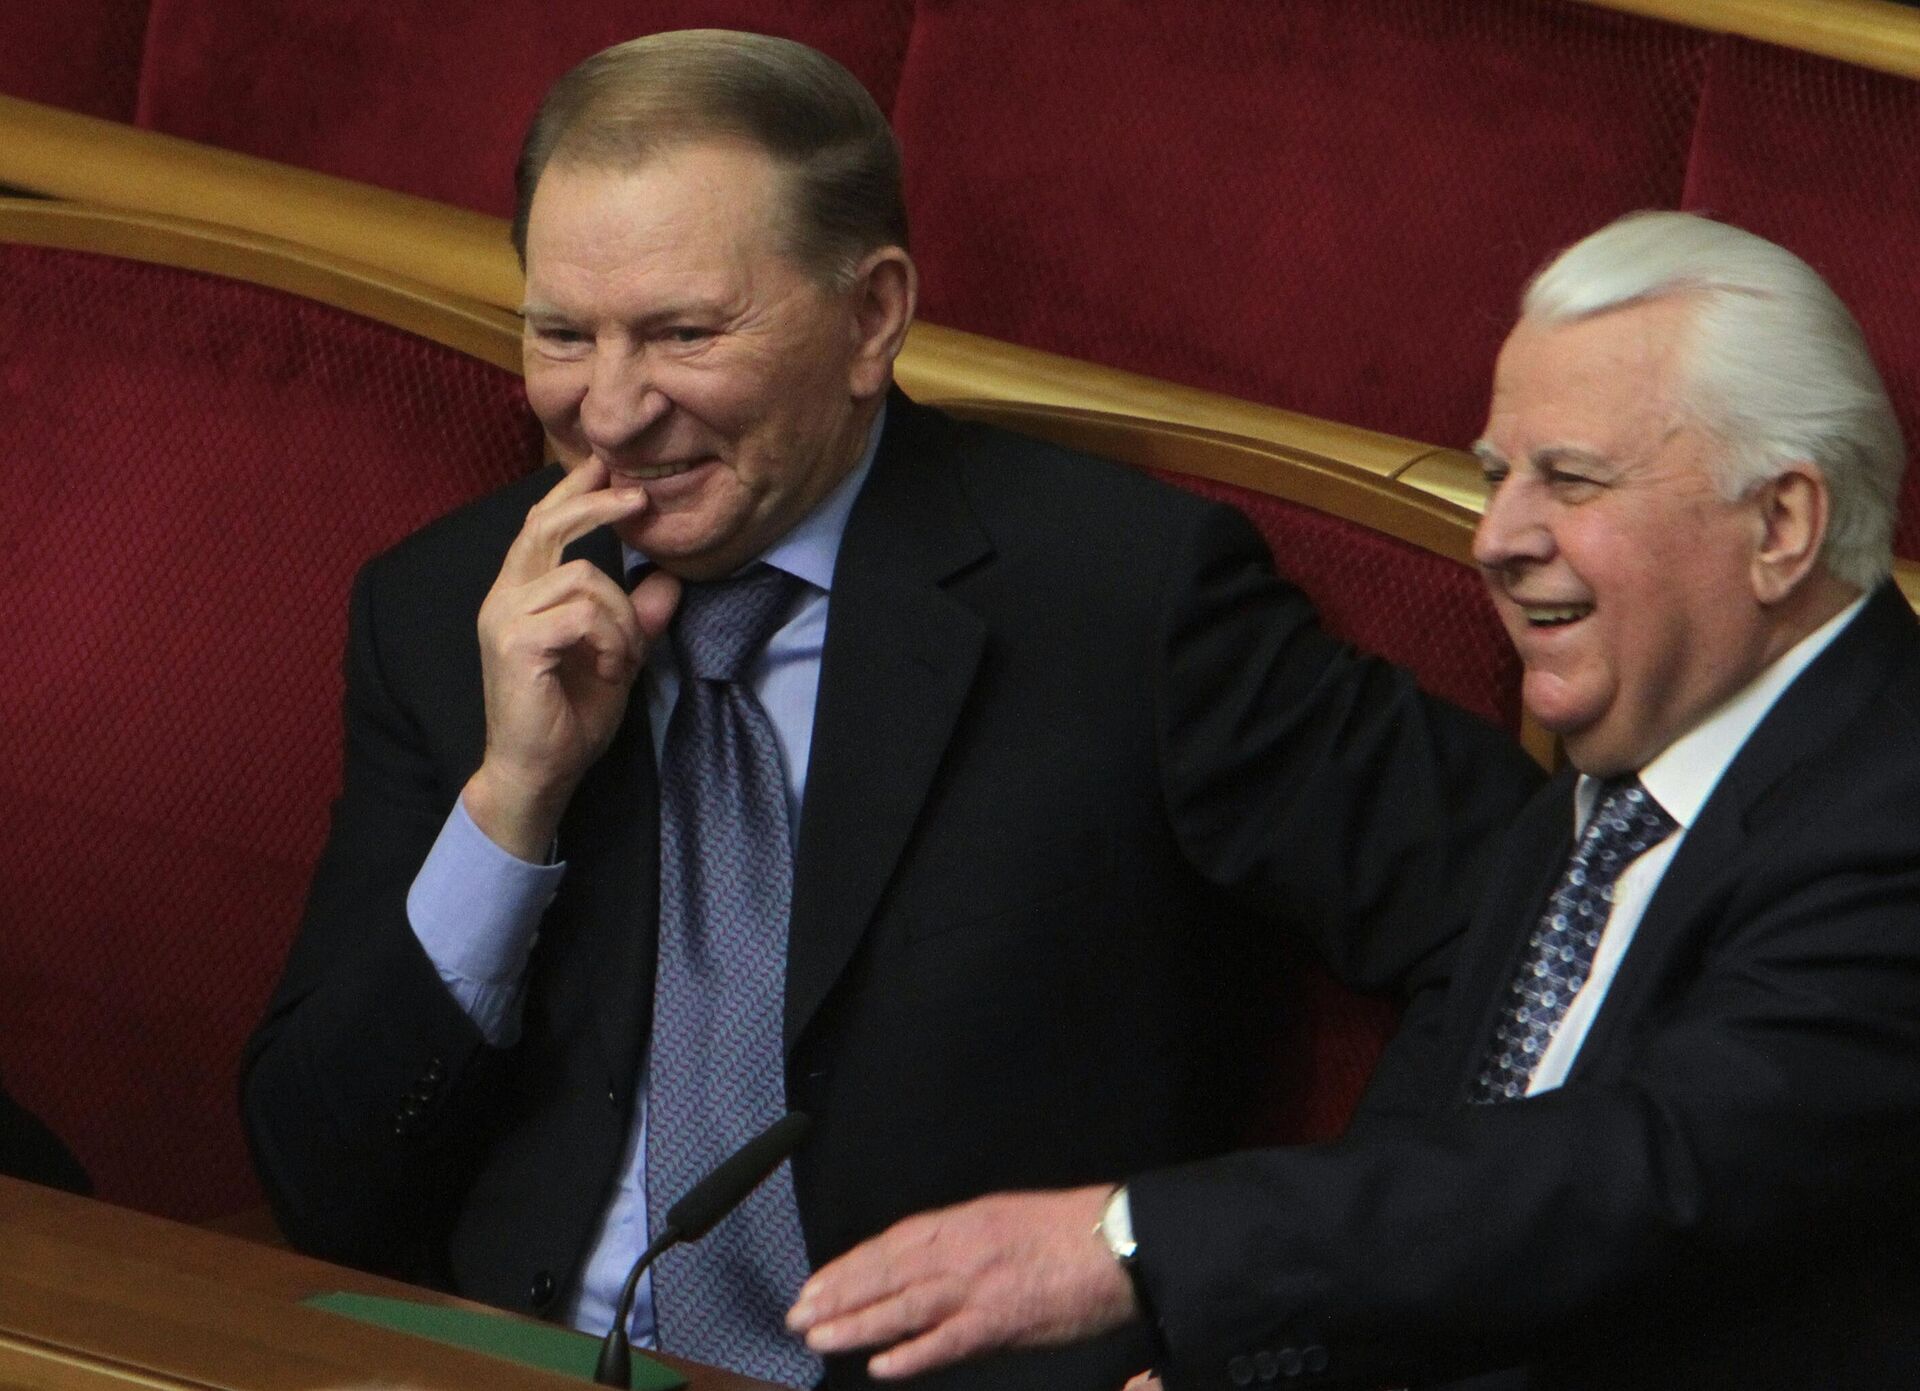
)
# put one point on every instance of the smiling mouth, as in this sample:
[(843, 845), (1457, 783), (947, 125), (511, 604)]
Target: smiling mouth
[(1554, 615), (652, 472)]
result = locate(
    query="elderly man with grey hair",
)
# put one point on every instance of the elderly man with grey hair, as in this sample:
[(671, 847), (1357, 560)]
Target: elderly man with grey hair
[(1666, 1130)]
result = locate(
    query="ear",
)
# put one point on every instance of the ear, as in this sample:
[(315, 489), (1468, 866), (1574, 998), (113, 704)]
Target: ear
[(1793, 508), (885, 292)]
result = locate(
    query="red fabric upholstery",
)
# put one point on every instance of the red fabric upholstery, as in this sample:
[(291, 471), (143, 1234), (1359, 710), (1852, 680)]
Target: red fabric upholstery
[(1432, 616), (197, 469), (1322, 205), (1824, 158), (431, 98), (80, 54)]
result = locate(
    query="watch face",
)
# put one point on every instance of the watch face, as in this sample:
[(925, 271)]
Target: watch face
[(1116, 1226)]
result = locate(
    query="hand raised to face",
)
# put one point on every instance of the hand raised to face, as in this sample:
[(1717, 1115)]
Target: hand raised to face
[(560, 646)]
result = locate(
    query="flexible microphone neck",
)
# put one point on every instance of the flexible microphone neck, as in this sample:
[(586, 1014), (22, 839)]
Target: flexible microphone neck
[(709, 1200)]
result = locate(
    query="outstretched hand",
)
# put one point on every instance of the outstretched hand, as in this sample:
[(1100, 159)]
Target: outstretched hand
[(1015, 1270), (560, 646)]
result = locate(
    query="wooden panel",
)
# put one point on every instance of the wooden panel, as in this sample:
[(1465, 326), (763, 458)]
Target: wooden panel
[(469, 326), (94, 1296), (1872, 33)]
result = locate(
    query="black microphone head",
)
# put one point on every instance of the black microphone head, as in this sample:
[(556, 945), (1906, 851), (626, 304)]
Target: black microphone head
[(738, 1175)]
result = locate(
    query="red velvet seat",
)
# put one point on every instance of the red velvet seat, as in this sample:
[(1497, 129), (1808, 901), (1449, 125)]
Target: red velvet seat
[(433, 99), (1321, 205), (197, 467), (1824, 158)]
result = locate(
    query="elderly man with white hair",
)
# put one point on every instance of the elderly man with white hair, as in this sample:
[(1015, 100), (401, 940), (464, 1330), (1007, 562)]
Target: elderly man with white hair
[(1666, 1132)]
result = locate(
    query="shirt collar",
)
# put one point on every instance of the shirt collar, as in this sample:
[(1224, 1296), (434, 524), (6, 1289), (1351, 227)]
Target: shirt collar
[(1683, 775), (811, 548)]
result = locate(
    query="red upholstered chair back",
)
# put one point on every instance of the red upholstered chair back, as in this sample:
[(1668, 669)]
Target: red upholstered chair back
[(196, 465), (1824, 158), (1388, 571)]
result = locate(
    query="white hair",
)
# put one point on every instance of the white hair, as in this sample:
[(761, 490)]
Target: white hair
[(1777, 367)]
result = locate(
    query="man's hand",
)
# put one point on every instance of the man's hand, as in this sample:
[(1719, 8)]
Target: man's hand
[(1014, 1270), (560, 646)]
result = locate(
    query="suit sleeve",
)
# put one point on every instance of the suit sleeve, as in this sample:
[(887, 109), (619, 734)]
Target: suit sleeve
[(357, 1086), (1317, 786), (1761, 1120)]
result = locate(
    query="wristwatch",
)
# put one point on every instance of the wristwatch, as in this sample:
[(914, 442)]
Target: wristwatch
[(1116, 1229)]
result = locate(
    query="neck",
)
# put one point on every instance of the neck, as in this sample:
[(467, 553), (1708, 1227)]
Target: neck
[(1811, 604)]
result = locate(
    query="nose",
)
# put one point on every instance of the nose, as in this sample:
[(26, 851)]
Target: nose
[(1513, 530), (622, 401)]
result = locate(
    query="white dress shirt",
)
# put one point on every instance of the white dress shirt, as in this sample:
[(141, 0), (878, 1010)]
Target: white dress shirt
[(1680, 779)]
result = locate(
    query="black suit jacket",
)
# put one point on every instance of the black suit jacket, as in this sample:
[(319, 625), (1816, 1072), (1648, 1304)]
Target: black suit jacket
[(1722, 1194), (1076, 755)]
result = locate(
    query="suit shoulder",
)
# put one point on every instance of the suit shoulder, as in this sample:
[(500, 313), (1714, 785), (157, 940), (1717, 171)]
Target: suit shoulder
[(470, 540), (1019, 484)]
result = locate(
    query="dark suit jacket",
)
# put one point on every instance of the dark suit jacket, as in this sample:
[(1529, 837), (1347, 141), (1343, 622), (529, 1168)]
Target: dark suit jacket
[(30, 1151), (1076, 752), (1722, 1194)]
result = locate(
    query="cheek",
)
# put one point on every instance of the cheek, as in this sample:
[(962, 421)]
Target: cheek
[(553, 392)]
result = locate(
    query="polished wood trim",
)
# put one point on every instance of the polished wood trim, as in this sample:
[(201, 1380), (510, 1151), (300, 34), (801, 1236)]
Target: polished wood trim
[(93, 1296), (31, 1365), (85, 159), (1282, 470), (1869, 33), (949, 365), (477, 329)]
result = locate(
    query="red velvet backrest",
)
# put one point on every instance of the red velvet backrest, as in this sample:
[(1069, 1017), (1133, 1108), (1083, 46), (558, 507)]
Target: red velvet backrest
[(195, 469), (1321, 205), (1824, 158), (433, 98), (1432, 616), (83, 55)]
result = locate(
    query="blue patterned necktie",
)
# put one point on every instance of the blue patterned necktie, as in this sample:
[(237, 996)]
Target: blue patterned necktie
[(1625, 824), (715, 1075)]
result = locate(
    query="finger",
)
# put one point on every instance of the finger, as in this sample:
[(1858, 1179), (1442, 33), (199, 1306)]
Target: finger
[(506, 611), (879, 1268), (577, 580), (576, 505), (954, 1340), (573, 631), (654, 599), (910, 1311)]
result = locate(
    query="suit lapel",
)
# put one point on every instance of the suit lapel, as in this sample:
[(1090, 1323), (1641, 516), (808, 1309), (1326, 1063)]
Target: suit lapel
[(610, 838), (900, 658), (1809, 715)]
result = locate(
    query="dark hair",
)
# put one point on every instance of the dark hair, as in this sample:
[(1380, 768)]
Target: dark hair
[(627, 103)]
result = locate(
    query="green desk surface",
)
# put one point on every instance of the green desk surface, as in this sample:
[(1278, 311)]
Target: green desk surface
[(541, 1345)]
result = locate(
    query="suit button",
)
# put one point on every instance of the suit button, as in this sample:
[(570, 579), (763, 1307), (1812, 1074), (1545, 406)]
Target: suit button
[(1240, 1370), (1266, 1365), (541, 1291), (1289, 1362), (1313, 1358)]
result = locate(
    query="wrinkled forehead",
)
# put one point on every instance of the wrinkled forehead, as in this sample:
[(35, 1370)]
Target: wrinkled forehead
[(719, 192), (1593, 382)]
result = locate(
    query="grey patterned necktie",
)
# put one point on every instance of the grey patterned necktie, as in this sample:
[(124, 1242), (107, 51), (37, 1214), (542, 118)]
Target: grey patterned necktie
[(715, 1076), (1625, 824)]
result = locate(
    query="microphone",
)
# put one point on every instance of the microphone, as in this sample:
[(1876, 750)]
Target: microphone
[(719, 1193)]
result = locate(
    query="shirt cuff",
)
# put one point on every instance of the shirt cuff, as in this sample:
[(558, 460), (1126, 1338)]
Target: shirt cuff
[(476, 911)]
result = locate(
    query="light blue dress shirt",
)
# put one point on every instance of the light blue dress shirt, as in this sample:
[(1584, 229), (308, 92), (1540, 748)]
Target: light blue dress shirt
[(476, 909)]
